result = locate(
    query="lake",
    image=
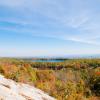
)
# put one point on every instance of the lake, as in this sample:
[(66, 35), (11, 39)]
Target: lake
[(49, 60)]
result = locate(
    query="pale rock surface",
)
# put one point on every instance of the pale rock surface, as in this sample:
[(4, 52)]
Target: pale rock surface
[(11, 90)]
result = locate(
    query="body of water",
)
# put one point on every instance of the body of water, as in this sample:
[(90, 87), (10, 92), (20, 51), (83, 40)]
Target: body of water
[(49, 60)]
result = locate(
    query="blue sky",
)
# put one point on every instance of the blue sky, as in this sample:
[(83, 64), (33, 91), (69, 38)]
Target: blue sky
[(49, 27)]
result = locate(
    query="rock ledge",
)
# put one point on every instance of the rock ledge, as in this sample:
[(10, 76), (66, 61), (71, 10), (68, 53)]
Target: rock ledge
[(10, 90)]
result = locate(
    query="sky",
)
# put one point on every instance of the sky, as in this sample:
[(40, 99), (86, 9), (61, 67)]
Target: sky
[(49, 27)]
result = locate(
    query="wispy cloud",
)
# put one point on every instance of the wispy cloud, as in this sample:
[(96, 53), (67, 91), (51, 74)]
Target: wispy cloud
[(74, 20)]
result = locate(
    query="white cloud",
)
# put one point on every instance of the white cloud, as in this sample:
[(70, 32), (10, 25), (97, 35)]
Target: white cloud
[(74, 14)]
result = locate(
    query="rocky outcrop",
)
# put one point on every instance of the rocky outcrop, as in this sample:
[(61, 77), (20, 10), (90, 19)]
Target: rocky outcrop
[(10, 90)]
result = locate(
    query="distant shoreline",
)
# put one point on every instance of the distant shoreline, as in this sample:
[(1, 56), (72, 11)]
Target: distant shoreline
[(85, 56)]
